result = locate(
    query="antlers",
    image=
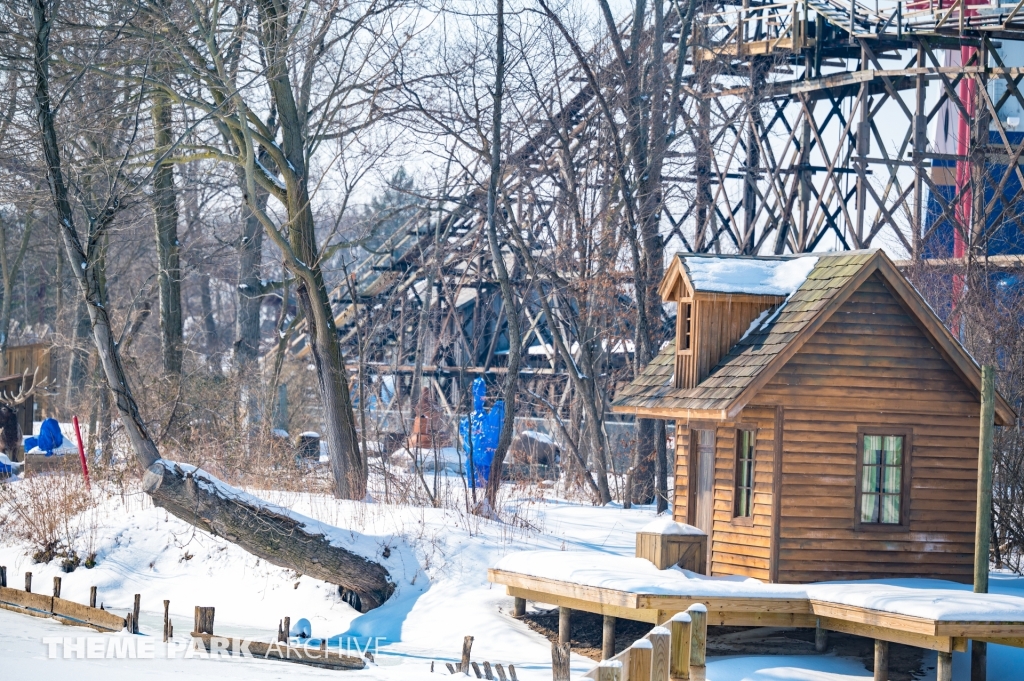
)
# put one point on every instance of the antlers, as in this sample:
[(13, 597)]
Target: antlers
[(22, 396)]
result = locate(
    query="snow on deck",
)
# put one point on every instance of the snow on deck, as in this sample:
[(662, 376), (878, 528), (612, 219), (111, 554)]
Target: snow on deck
[(747, 275), (926, 598)]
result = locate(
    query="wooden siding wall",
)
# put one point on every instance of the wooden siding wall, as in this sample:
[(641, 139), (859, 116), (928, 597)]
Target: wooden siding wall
[(718, 321), (870, 365), (738, 546)]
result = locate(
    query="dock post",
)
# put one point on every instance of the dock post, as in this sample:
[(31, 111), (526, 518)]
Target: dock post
[(92, 597), (28, 582), (679, 667), (3, 575), (519, 608), (698, 613), (564, 624), (167, 620), (882, 660), (983, 529), (820, 638), (56, 587), (944, 667), (608, 638)]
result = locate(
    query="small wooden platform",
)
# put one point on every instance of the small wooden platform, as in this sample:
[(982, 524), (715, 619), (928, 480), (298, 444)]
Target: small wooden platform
[(940, 635)]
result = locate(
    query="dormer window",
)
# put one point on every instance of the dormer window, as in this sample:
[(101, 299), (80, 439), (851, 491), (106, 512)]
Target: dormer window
[(684, 334)]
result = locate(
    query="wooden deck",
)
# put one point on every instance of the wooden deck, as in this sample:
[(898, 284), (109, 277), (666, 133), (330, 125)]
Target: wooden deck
[(940, 635)]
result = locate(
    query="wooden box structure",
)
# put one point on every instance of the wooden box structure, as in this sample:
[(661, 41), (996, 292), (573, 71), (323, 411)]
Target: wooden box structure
[(837, 438), (665, 549)]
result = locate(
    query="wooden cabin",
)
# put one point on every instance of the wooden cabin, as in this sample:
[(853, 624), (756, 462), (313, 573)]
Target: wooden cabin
[(826, 420)]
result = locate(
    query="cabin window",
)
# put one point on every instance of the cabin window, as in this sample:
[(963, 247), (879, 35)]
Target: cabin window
[(742, 499), (685, 315), (882, 479)]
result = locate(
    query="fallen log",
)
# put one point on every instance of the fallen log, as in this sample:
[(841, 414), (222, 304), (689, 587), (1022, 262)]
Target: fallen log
[(266, 531)]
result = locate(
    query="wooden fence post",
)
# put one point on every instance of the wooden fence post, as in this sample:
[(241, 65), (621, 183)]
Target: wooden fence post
[(467, 650), (609, 670), (28, 582), (640, 654), (698, 640), (661, 640), (56, 587), (679, 626), (204, 620), (92, 597), (560, 662)]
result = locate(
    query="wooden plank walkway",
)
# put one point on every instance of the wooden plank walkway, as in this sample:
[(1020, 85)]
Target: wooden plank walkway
[(944, 636)]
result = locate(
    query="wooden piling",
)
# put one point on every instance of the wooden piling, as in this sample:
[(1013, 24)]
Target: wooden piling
[(564, 625), (608, 638), (501, 672), (661, 640), (560, 662), (882, 660), (204, 620), (512, 672), (28, 582), (92, 597), (698, 634), (287, 628), (467, 650), (979, 660), (640, 654), (519, 607), (944, 667), (476, 670), (167, 620), (679, 664), (820, 638), (135, 615), (3, 576), (487, 671), (56, 587), (609, 670)]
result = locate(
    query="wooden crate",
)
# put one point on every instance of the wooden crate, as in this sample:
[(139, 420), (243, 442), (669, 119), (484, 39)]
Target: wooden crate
[(688, 551)]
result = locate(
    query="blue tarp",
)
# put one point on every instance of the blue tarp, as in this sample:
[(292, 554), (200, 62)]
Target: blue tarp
[(485, 431), (49, 439)]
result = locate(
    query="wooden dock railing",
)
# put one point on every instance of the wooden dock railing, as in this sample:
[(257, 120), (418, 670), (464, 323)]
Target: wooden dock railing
[(676, 652)]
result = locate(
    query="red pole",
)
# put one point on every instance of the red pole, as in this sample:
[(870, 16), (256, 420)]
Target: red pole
[(81, 452)]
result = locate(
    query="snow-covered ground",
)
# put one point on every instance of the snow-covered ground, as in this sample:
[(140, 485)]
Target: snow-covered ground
[(438, 558)]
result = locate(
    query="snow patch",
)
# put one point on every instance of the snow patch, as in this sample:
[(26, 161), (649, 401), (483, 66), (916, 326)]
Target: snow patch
[(665, 525), (749, 275)]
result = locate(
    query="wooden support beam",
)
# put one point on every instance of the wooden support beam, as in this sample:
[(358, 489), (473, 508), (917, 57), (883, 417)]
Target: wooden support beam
[(608, 637), (944, 667), (519, 607), (882, 660), (564, 624), (820, 637)]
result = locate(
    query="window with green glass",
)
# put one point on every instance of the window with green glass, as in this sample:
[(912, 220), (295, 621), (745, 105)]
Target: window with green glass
[(881, 498), (743, 504)]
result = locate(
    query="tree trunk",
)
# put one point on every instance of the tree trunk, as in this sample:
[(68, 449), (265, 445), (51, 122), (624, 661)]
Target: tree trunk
[(209, 320), (515, 341), (250, 258), (165, 213), (240, 518), (265, 531)]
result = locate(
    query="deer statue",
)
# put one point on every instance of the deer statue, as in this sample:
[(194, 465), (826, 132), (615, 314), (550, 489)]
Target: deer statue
[(10, 428)]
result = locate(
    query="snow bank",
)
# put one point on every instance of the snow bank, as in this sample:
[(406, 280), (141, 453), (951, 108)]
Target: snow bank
[(746, 275)]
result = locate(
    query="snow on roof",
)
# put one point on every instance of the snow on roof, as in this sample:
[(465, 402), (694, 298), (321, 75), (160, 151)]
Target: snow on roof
[(665, 525), (929, 598), (762, 276)]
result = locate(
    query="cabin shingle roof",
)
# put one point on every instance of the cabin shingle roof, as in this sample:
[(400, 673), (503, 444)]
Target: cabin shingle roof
[(653, 388)]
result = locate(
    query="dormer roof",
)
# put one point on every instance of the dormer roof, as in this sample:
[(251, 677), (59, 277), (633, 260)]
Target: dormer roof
[(778, 275), (827, 283)]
